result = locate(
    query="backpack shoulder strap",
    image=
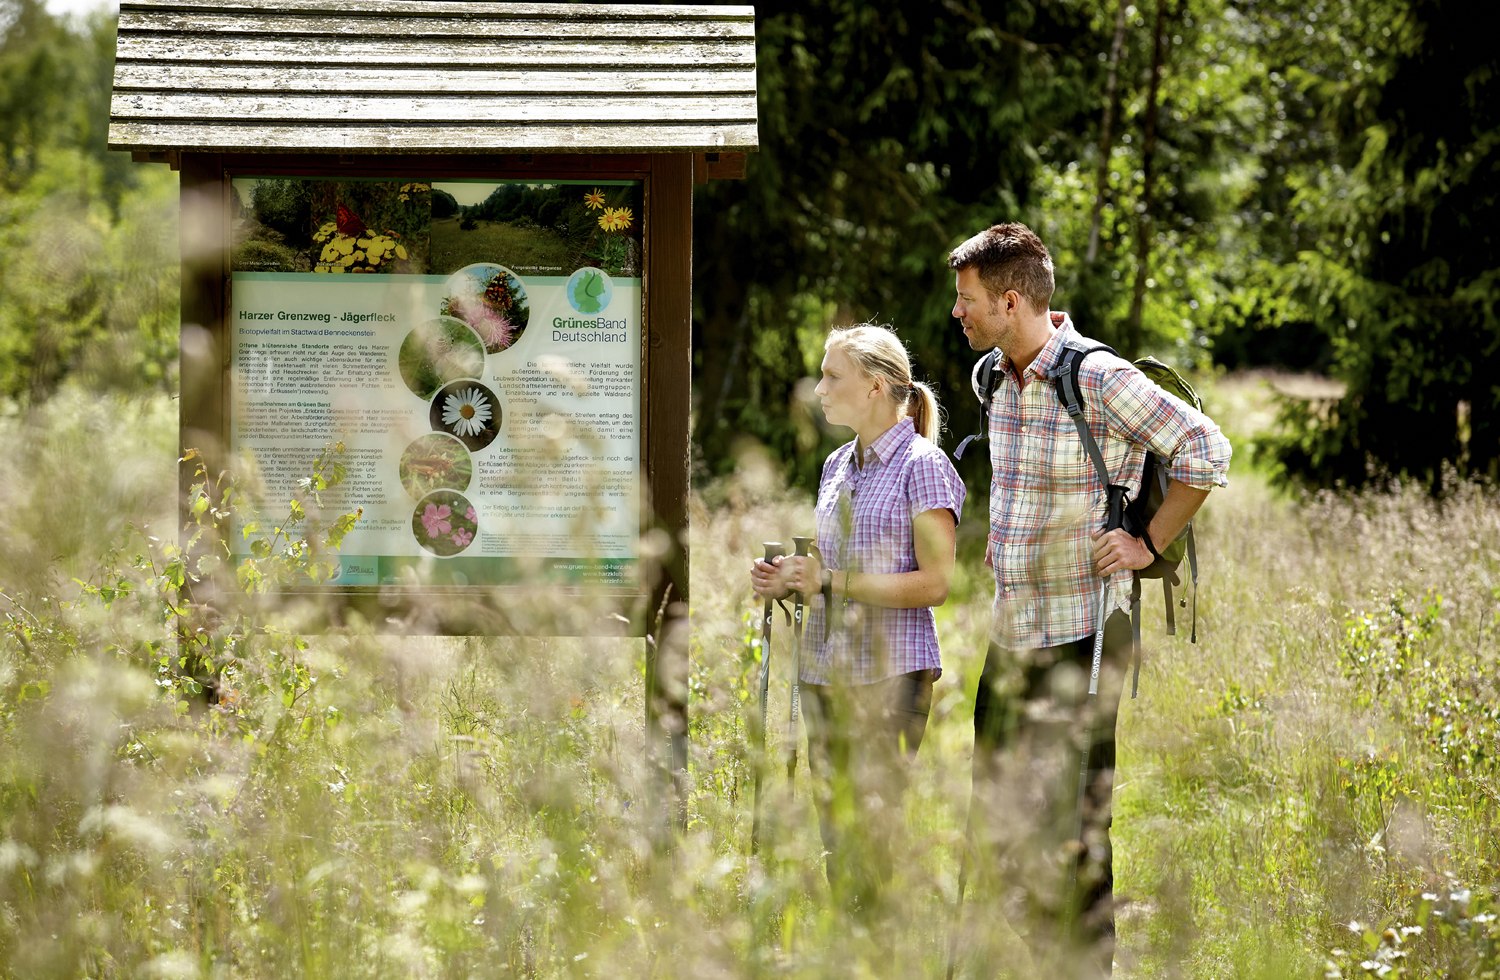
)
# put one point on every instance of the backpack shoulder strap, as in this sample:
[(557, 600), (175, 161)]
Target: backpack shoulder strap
[(1070, 393), (986, 372)]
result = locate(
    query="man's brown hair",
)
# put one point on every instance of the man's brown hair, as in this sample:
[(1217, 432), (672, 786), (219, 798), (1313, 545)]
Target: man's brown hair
[(1009, 256)]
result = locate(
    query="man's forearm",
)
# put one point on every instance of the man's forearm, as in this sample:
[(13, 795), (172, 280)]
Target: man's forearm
[(1178, 506)]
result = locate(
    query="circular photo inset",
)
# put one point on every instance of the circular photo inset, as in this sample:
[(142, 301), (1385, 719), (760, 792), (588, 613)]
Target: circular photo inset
[(436, 461), (491, 299), (437, 352), (590, 290), (444, 523), (468, 410)]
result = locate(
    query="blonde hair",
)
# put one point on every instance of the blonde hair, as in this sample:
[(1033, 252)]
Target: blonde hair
[(878, 353)]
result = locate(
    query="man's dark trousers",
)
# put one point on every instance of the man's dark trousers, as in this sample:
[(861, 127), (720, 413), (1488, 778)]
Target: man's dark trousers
[(1032, 717)]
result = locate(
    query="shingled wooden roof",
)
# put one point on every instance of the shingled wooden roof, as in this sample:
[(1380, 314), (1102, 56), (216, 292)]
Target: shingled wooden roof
[(432, 76)]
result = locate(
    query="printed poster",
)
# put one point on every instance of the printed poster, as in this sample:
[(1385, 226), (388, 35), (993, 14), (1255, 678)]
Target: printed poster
[(476, 345)]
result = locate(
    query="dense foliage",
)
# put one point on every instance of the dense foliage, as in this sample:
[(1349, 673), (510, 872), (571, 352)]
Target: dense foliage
[(1300, 184), (88, 285), (1399, 257)]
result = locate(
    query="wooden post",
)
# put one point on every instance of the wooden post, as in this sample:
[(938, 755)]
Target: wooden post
[(669, 311)]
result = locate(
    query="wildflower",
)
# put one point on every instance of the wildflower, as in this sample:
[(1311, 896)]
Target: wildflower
[(616, 219), (468, 412), (436, 520), (495, 330), (470, 516), (462, 537), (594, 200)]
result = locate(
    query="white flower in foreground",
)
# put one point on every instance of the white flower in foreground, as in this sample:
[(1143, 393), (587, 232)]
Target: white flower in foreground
[(467, 412)]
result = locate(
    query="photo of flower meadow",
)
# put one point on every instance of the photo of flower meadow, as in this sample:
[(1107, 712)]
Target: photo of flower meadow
[(438, 351), (538, 228)]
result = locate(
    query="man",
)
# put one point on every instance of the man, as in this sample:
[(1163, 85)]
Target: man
[(1033, 716)]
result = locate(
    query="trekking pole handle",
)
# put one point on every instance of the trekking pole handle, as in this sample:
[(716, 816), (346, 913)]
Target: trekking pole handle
[(800, 546), (1115, 516), (774, 549)]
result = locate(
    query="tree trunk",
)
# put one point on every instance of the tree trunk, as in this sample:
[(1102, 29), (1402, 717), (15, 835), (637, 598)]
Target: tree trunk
[(724, 323), (1106, 132), (1146, 211)]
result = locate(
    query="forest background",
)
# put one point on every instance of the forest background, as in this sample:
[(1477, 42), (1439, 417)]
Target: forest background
[(1300, 190)]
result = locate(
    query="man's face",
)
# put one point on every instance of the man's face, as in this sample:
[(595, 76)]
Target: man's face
[(986, 318)]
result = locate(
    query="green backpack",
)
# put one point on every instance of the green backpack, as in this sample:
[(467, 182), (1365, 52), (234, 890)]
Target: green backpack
[(1135, 516)]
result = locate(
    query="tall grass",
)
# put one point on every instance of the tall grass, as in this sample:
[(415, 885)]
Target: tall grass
[(1326, 755)]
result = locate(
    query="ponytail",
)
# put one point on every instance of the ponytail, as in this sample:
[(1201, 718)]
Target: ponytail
[(922, 407)]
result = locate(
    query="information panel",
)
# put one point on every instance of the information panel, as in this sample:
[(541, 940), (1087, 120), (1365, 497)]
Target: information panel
[(476, 346)]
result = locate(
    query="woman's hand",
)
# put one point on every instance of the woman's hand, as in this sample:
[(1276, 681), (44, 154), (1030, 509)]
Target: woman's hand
[(803, 573), (786, 574), (766, 578)]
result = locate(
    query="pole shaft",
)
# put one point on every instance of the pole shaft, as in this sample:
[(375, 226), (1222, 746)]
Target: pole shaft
[(773, 549), (800, 545)]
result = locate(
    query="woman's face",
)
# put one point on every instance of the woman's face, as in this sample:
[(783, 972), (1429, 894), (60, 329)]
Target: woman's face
[(844, 391)]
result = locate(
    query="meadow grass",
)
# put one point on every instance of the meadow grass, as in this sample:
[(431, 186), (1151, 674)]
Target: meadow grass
[(490, 241), (361, 805)]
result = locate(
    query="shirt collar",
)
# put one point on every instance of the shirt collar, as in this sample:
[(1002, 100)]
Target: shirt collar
[(890, 442)]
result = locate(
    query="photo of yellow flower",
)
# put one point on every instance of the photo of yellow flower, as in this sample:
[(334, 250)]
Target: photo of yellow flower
[(594, 199), (615, 219)]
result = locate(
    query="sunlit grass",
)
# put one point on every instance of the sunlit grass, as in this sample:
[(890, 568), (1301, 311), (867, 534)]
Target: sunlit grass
[(381, 806)]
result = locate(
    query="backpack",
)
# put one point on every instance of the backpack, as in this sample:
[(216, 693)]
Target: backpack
[(1134, 516)]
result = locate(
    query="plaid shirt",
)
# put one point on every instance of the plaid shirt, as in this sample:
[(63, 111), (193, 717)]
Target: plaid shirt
[(864, 524), (1045, 497)]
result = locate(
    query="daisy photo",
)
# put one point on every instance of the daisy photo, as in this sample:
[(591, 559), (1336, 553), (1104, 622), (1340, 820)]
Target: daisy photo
[(467, 410)]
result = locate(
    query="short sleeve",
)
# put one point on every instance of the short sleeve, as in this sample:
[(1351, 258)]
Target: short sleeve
[(934, 484)]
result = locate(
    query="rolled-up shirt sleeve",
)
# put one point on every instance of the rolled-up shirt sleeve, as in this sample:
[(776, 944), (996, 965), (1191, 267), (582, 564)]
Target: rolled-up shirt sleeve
[(1197, 451)]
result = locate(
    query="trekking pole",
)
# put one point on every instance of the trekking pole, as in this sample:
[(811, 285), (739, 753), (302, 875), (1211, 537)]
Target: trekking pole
[(773, 550), (1115, 518), (798, 600)]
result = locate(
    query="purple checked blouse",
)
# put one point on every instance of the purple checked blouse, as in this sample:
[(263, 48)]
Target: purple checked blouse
[(864, 524)]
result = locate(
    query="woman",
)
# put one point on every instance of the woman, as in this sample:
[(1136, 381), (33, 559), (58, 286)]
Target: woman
[(887, 516)]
